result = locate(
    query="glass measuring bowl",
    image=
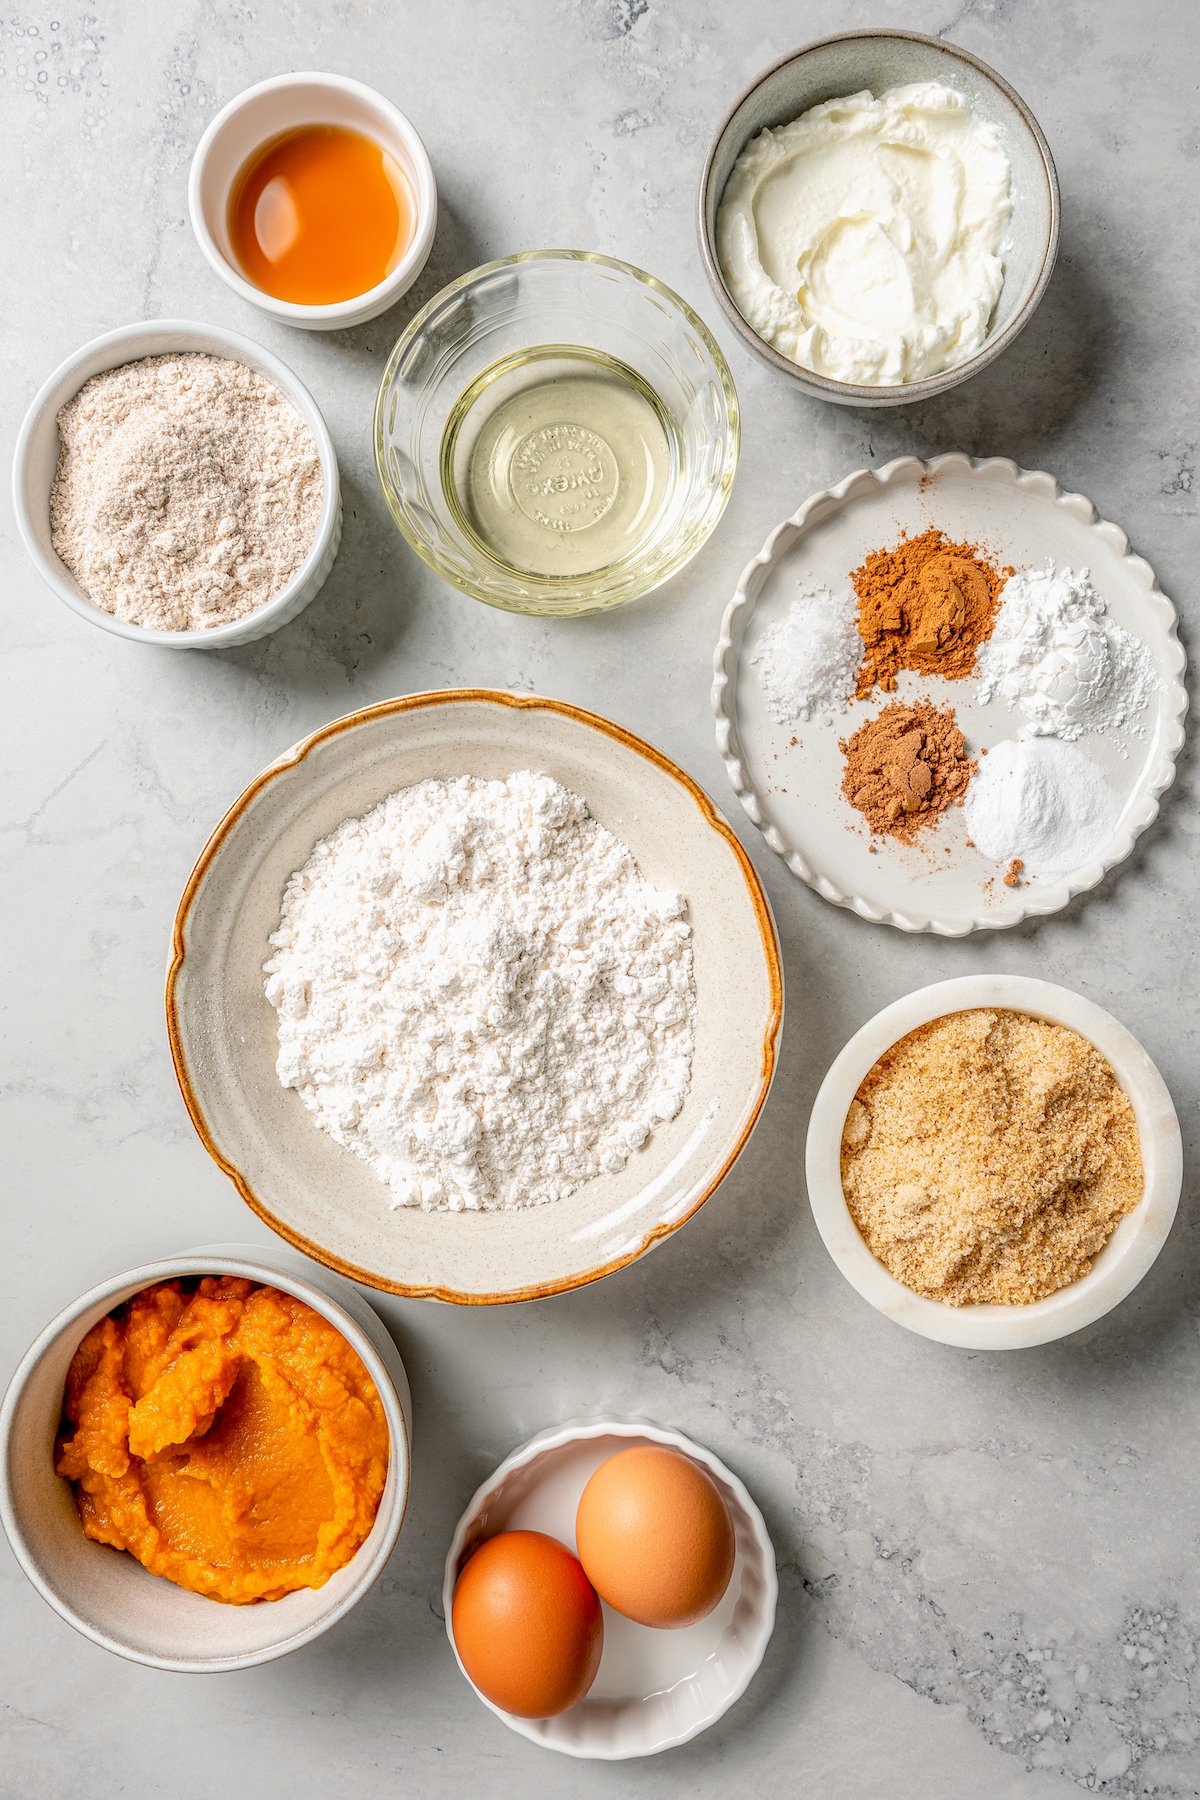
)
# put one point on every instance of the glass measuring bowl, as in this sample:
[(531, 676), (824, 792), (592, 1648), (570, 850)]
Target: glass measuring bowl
[(516, 310)]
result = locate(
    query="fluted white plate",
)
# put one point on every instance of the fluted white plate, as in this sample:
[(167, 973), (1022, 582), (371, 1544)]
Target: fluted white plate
[(792, 791), (655, 1689)]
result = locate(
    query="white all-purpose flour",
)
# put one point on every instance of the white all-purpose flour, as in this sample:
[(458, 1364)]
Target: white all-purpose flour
[(480, 995)]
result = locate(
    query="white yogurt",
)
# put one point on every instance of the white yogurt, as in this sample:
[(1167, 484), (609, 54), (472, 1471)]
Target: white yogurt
[(863, 240)]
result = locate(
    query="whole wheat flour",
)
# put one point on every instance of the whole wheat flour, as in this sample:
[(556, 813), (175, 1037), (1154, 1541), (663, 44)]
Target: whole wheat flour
[(187, 493), (480, 995)]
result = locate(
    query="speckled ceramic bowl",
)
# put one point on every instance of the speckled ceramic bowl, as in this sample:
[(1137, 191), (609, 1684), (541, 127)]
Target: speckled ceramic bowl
[(876, 60), (654, 1689), (1128, 1254), (109, 1596), (321, 1197)]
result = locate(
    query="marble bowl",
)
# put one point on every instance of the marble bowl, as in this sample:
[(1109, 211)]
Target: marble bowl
[(108, 1595), (1128, 1254), (875, 60), (282, 104), (654, 1689), (36, 459), (224, 1038)]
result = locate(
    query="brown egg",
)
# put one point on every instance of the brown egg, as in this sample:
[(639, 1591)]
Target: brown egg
[(655, 1537), (527, 1624)]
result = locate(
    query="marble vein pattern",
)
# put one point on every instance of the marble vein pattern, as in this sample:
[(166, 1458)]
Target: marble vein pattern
[(989, 1565)]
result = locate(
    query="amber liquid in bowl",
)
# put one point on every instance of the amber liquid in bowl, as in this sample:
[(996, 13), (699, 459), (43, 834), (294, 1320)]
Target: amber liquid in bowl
[(319, 215)]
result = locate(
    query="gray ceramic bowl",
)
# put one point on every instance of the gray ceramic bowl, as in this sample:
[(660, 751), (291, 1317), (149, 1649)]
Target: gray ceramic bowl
[(877, 60)]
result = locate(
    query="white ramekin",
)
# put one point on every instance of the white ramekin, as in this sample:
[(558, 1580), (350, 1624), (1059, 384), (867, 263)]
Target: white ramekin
[(109, 1596), (1127, 1255), (654, 1689), (284, 103), (36, 458)]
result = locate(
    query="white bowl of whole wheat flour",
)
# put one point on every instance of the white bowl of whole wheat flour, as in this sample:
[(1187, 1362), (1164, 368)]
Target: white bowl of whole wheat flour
[(310, 526), (494, 1038), (1128, 1252)]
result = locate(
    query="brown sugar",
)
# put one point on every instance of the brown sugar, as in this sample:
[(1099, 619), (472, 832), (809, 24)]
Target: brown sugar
[(905, 767), (926, 604), (988, 1157)]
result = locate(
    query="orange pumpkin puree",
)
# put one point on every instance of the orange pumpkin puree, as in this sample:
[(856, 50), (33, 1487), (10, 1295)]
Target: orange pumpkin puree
[(227, 1436)]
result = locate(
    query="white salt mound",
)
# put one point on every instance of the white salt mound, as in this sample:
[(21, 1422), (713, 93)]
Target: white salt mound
[(1041, 800), (809, 656)]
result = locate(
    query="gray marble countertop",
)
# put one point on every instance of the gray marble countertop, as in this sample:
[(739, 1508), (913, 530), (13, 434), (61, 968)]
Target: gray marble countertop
[(989, 1578)]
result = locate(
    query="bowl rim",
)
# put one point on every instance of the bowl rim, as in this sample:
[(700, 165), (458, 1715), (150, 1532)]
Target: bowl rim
[(237, 348), (291, 758), (557, 584), (581, 1430), (253, 1261), (1068, 1309), (899, 393), (333, 314)]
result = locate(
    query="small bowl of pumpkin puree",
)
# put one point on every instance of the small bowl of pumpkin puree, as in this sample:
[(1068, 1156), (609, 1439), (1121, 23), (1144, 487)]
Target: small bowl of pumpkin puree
[(204, 1462)]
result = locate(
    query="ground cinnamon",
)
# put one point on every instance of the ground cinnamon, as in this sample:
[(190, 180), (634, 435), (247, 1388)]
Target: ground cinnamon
[(927, 604), (904, 767)]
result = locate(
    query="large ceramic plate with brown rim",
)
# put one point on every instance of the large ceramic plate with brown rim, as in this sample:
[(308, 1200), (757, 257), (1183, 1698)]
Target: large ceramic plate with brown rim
[(319, 1196)]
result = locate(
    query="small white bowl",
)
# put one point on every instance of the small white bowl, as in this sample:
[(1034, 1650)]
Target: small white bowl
[(285, 103), (108, 1595), (36, 459), (1127, 1255), (655, 1689)]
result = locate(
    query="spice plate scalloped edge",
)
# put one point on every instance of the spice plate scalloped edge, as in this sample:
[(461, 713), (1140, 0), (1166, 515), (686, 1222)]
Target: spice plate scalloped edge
[(1000, 470)]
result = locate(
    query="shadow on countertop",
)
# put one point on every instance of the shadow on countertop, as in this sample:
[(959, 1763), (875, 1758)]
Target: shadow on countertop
[(1022, 403)]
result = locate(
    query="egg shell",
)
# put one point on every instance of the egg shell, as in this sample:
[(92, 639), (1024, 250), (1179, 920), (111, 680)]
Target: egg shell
[(527, 1624), (655, 1537)]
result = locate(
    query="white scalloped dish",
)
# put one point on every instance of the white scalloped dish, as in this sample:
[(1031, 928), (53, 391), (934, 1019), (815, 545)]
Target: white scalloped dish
[(654, 1689), (792, 789)]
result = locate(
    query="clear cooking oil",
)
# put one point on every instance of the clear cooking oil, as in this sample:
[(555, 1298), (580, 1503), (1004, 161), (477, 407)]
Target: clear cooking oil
[(560, 462)]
